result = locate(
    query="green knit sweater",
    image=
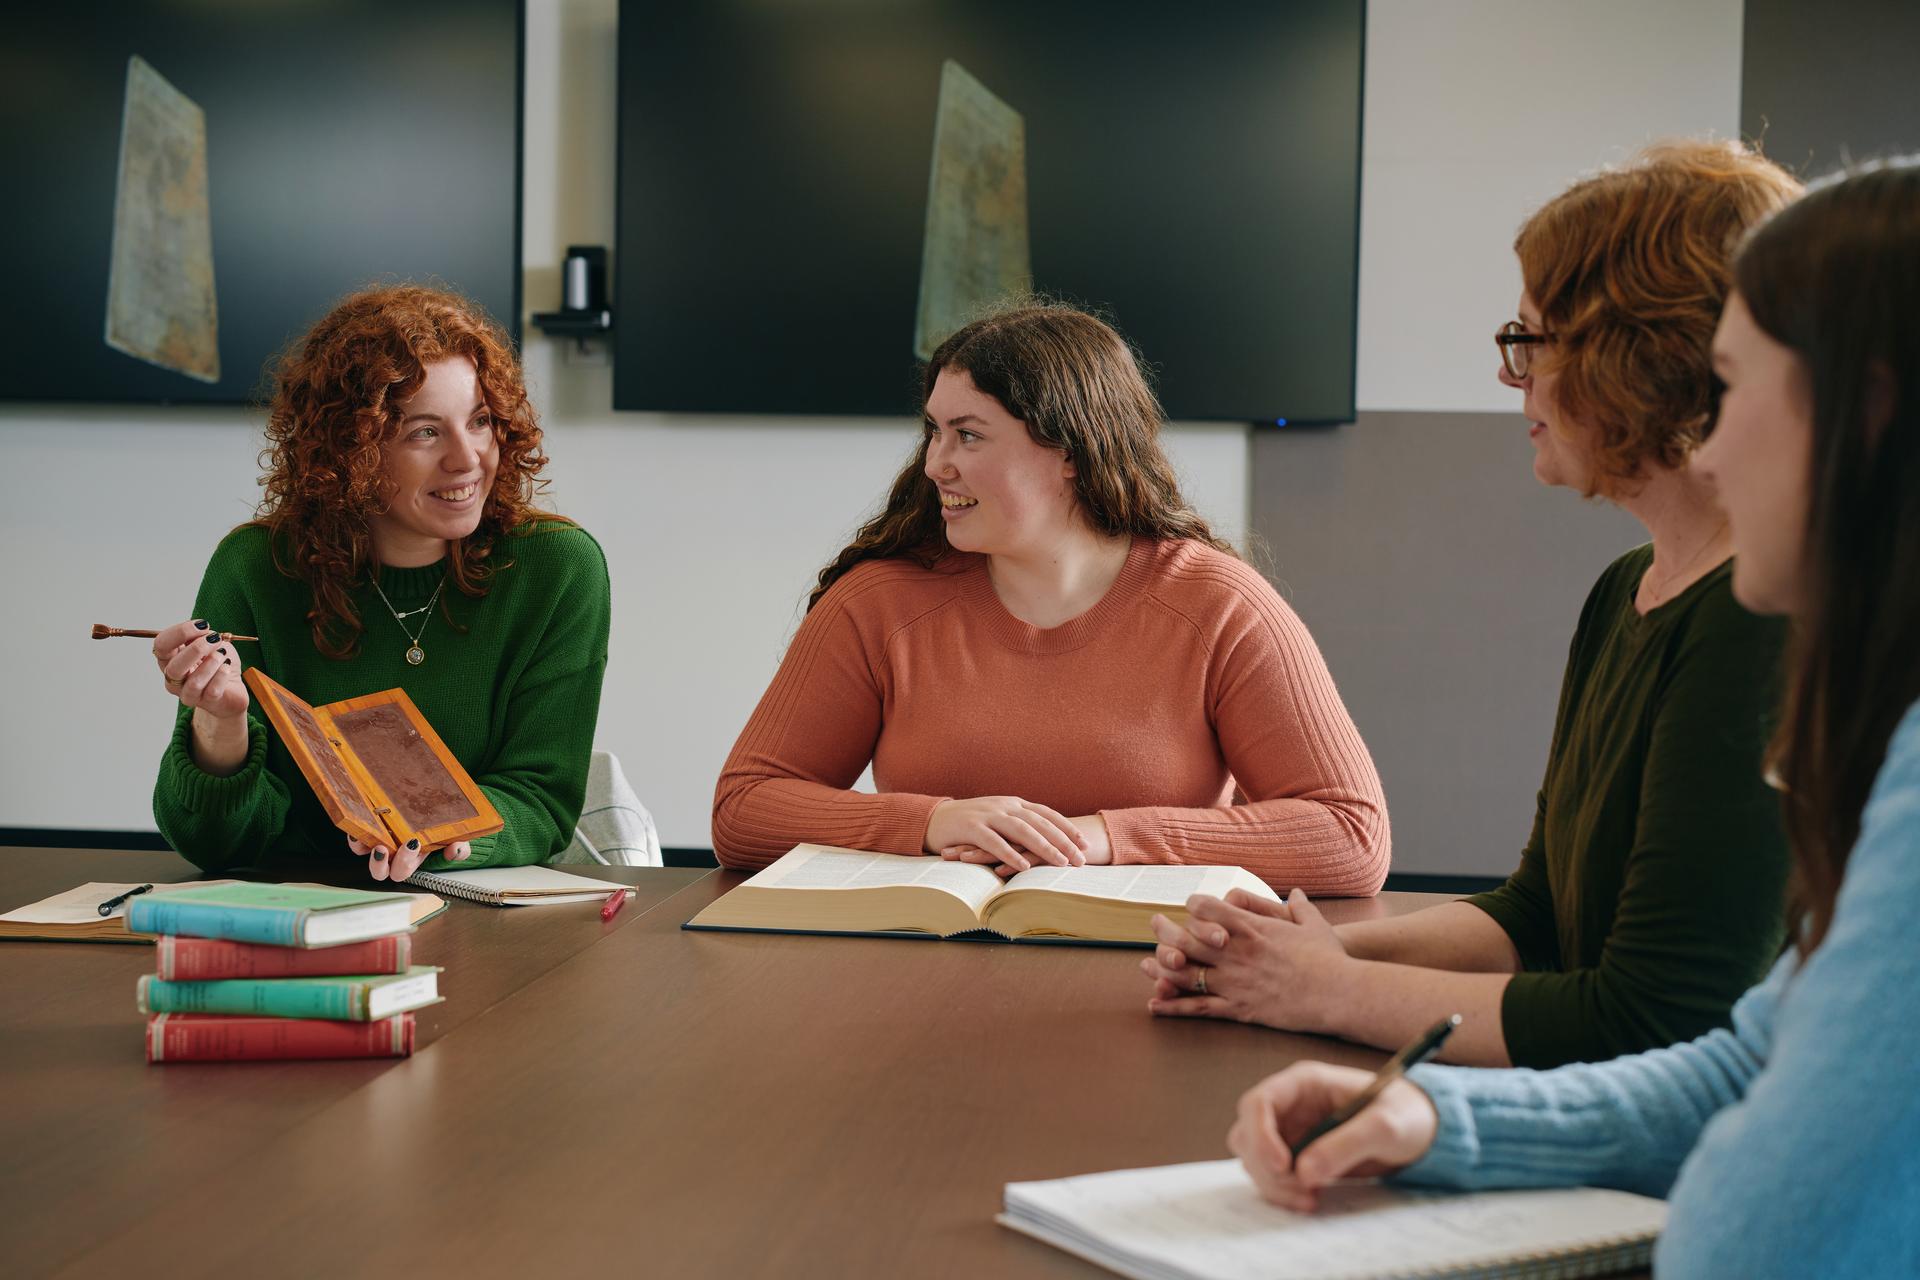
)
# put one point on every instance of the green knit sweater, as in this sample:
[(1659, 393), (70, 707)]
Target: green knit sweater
[(1650, 894), (512, 686)]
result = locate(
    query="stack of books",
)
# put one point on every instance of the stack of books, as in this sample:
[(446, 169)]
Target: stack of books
[(247, 972)]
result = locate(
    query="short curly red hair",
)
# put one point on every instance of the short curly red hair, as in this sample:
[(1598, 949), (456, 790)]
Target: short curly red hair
[(336, 405), (1630, 269)]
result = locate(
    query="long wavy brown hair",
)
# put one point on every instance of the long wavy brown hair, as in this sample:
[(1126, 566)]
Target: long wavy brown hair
[(1834, 278), (1630, 269), (335, 408), (1076, 385)]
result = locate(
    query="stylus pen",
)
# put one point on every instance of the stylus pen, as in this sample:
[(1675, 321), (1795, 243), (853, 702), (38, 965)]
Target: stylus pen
[(1412, 1056), (106, 908)]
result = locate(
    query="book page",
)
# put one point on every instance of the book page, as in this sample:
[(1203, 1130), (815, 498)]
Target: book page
[(815, 866), (1160, 885), (1207, 1220)]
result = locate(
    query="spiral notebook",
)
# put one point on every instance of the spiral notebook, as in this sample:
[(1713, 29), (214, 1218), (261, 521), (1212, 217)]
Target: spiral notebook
[(533, 886), (1205, 1222)]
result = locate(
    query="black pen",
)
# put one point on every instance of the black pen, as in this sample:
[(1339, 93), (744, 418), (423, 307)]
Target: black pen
[(106, 908), (1412, 1056)]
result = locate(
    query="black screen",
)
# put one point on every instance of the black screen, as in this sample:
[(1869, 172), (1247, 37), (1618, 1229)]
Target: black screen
[(348, 142), (1192, 171)]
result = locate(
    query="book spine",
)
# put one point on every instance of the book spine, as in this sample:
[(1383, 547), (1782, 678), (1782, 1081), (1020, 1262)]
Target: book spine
[(186, 1037), (268, 997), (204, 959), (271, 926)]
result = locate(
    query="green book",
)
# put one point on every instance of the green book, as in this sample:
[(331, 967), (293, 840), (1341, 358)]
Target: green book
[(280, 915), (357, 998)]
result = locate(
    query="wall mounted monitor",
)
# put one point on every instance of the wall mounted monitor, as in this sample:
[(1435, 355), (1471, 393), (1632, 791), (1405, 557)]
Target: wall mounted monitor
[(191, 185), (810, 195)]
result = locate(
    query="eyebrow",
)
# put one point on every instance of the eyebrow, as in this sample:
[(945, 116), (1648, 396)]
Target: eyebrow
[(478, 405), (965, 417)]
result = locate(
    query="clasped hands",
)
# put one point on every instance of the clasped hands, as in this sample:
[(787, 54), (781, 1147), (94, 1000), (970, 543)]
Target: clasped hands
[(1248, 958), (1012, 835)]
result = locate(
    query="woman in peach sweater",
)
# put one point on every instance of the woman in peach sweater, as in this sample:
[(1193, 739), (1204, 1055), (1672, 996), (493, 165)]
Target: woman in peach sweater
[(1048, 657)]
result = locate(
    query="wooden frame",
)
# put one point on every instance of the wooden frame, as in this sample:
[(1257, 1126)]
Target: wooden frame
[(400, 783)]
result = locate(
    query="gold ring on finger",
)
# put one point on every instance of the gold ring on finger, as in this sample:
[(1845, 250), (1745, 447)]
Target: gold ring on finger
[(1200, 981)]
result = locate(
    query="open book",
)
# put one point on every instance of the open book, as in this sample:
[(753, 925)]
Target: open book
[(817, 889), (378, 767), (1206, 1222)]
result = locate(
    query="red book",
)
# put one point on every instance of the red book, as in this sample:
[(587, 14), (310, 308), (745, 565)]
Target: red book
[(212, 1037), (205, 959)]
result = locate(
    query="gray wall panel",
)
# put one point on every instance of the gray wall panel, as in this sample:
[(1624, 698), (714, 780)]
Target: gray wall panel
[(1443, 583), (1825, 83)]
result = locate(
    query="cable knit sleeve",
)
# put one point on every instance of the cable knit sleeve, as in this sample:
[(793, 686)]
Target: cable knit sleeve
[(220, 822), (789, 777), (1315, 815)]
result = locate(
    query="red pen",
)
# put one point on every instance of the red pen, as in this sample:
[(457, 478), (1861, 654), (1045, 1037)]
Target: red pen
[(611, 907)]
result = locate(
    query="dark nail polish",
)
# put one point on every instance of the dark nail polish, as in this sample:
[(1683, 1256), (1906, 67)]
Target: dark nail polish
[(414, 843), (379, 855), (200, 623), (228, 661), (221, 649)]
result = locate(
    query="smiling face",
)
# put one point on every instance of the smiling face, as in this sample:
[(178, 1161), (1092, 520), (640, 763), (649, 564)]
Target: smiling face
[(1001, 493), (1560, 456), (1759, 458), (439, 468)]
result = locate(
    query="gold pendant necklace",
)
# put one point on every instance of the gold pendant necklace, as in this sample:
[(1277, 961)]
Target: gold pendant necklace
[(415, 654)]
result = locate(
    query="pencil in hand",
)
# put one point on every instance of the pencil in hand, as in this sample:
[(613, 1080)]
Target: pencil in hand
[(101, 631)]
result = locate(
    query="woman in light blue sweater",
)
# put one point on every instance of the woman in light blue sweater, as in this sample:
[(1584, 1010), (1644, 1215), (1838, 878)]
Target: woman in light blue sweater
[(1789, 1144)]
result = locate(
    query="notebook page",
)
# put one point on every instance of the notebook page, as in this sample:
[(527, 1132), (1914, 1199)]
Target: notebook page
[(815, 866), (81, 906), (1206, 1220), (1156, 884)]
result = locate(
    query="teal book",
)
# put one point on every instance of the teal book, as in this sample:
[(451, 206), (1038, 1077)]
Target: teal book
[(279, 915), (357, 998)]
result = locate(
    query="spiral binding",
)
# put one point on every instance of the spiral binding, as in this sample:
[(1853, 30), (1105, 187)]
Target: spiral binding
[(455, 888)]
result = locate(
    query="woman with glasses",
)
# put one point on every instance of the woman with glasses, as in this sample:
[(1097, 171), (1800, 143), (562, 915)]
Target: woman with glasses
[(1648, 895), (1788, 1145)]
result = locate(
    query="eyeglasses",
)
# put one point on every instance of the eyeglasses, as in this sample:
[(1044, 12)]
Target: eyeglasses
[(1516, 347)]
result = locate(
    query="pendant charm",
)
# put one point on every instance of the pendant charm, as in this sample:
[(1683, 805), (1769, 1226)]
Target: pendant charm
[(416, 655)]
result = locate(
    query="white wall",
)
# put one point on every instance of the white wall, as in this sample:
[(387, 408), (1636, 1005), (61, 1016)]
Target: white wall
[(713, 527), (1477, 112)]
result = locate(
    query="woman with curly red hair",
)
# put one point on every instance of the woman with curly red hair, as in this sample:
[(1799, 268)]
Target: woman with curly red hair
[(1648, 895), (397, 545)]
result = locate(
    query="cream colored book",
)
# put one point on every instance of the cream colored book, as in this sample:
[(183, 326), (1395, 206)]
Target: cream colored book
[(1205, 1222), (819, 889)]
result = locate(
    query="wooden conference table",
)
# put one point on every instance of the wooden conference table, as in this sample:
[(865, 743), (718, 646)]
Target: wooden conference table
[(605, 1098)]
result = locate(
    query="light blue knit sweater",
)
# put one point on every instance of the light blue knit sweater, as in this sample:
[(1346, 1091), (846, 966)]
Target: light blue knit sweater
[(1788, 1145)]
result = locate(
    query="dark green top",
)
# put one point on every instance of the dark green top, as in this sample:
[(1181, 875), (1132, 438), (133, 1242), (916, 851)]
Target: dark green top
[(514, 694), (1650, 895)]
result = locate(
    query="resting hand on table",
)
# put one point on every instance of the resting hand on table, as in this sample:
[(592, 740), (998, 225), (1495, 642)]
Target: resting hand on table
[(1248, 958), (1005, 832), (202, 670), (384, 863), (1095, 851), (1391, 1132)]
